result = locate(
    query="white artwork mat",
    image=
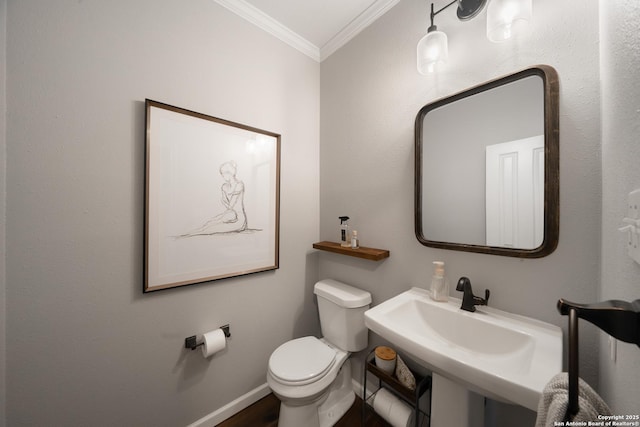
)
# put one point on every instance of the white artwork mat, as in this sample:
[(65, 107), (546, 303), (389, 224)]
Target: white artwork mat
[(212, 198)]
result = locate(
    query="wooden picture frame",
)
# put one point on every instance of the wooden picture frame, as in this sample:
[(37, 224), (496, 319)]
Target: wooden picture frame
[(212, 198)]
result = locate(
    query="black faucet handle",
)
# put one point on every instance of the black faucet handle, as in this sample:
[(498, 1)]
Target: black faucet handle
[(487, 293)]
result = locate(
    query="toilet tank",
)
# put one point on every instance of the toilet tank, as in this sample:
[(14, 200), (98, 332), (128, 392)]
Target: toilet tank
[(341, 308)]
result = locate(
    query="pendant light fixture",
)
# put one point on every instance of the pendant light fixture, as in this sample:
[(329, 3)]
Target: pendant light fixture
[(433, 49), (506, 18)]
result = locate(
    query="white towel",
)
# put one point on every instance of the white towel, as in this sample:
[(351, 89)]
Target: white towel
[(555, 400)]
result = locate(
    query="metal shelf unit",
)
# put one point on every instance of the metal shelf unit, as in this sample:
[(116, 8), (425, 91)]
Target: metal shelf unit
[(391, 383)]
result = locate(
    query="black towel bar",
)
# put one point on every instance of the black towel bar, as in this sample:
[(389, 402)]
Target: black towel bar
[(619, 319)]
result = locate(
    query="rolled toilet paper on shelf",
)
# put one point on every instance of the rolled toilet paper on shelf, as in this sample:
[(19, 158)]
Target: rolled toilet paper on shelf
[(382, 402), (401, 414), (392, 409), (213, 342)]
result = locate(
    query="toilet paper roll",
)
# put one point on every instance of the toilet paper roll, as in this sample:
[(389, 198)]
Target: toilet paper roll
[(401, 415), (382, 402), (213, 342), (393, 410)]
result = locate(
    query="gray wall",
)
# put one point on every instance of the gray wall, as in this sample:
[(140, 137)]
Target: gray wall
[(3, 216), (86, 347), (371, 94), (620, 62)]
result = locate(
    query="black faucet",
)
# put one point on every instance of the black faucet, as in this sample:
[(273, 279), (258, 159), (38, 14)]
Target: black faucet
[(469, 301)]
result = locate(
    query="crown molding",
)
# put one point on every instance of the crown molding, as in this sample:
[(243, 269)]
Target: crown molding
[(271, 26), (368, 17), (293, 39)]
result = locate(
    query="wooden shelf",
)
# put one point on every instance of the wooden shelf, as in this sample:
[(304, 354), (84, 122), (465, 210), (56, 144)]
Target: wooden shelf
[(372, 254)]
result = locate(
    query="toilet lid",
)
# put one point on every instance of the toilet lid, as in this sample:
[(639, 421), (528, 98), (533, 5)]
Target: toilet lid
[(301, 360)]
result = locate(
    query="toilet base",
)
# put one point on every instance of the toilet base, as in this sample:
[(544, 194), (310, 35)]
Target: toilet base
[(340, 399), (291, 416), (327, 410)]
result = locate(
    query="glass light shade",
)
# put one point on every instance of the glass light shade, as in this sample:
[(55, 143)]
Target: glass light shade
[(432, 50), (506, 18)]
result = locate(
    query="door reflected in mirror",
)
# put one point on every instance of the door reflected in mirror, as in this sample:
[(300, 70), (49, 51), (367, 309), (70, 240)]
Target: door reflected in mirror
[(487, 167)]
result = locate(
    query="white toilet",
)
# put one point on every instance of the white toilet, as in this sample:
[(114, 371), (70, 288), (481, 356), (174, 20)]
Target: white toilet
[(311, 376)]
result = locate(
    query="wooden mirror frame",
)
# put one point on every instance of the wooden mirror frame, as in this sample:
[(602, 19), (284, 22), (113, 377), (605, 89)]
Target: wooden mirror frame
[(551, 165)]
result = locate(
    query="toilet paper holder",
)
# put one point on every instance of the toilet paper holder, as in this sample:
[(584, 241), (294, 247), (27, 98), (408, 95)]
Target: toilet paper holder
[(192, 342)]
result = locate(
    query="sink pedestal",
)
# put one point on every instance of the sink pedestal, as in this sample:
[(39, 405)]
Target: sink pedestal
[(454, 405)]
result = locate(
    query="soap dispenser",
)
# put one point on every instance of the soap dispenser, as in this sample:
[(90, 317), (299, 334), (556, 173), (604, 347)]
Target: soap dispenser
[(439, 283)]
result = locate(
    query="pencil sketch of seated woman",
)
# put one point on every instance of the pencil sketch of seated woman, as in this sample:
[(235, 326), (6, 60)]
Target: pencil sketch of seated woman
[(233, 219)]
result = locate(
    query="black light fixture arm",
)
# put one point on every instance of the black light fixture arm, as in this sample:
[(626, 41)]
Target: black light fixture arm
[(433, 14), (467, 9)]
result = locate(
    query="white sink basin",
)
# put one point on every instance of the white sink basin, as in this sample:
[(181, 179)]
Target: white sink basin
[(497, 354)]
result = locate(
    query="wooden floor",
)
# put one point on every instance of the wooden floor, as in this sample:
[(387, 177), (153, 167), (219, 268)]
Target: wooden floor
[(264, 413)]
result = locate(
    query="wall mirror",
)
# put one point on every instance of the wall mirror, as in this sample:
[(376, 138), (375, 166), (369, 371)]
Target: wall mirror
[(487, 167)]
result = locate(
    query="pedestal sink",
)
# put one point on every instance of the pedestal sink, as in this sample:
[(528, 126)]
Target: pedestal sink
[(497, 354)]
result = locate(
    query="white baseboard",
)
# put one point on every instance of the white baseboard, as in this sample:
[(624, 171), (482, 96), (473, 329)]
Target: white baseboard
[(357, 387), (244, 401), (371, 386), (232, 408)]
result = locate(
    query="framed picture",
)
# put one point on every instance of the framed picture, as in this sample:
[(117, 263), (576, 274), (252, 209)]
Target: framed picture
[(212, 196)]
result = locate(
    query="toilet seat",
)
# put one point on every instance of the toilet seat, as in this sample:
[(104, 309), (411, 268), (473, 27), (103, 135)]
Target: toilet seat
[(301, 361)]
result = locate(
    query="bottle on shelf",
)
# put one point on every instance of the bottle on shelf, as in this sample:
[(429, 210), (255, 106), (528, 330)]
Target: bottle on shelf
[(345, 242), (355, 242)]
